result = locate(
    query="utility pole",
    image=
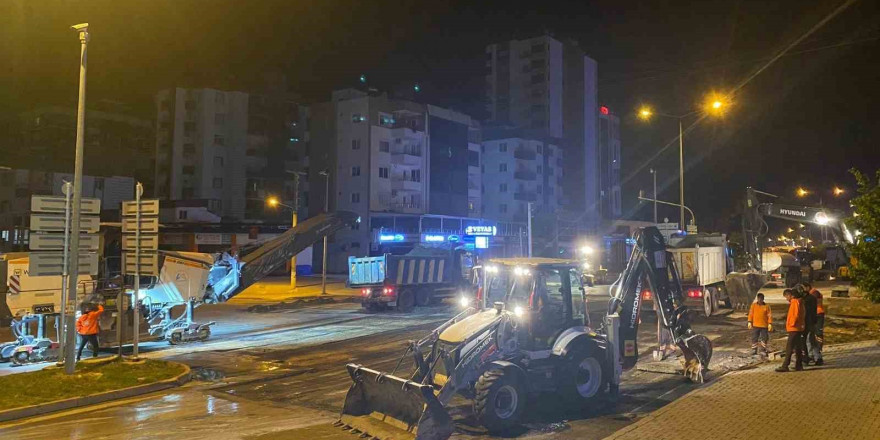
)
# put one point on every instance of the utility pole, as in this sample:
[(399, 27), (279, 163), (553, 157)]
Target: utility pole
[(654, 174), (70, 336), (68, 191), (293, 222), (136, 310), (529, 205)]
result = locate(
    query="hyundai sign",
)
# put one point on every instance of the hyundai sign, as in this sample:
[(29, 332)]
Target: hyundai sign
[(481, 230)]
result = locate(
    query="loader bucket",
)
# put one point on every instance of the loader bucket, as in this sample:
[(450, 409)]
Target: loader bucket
[(380, 406), (697, 352)]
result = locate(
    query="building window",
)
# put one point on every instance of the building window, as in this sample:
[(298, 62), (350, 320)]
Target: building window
[(502, 167), (219, 140), (181, 215), (473, 158), (355, 197), (502, 187), (384, 146), (189, 105), (218, 183), (383, 173), (218, 162), (355, 245), (355, 171), (355, 144), (540, 169), (189, 148), (358, 118), (189, 128), (219, 98), (415, 175), (219, 119), (397, 141), (539, 189), (502, 147), (470, 205), (540, 149), (502, 208), (189, 170)]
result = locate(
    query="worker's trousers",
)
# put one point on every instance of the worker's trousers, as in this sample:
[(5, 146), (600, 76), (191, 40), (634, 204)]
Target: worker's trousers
[(759, 339), (794, 346), (817, 338), (87, 339)]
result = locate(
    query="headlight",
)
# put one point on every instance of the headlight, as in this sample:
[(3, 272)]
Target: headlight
[(464, 301), (518, 311), (586, 265)]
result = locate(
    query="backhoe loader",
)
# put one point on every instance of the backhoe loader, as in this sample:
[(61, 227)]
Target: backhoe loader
[(535, 337)]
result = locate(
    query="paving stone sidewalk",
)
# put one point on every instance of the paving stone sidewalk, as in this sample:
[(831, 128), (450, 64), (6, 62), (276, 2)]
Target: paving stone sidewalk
[(838, 400)]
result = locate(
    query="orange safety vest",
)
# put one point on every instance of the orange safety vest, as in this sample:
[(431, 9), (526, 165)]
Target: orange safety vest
[(760, 315), (796, 316), (87, 324), (820, 309)]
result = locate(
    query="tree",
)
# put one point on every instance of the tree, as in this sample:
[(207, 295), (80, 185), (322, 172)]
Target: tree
[(866, 224)]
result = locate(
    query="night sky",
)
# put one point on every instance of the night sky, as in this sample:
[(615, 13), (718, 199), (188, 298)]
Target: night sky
[(804, 120)]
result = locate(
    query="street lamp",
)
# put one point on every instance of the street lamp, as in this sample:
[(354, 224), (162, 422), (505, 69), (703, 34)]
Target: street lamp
[(715, 106), (802, 192), (273, 202), (837, 191), (326, 174)]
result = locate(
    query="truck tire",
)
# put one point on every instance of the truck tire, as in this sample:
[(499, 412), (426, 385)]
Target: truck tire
[(406, 300), (424, 296), (499, 400), (708, 301), (587, 378)]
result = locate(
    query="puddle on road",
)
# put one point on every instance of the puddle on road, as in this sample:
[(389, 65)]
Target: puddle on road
[(206, 374)]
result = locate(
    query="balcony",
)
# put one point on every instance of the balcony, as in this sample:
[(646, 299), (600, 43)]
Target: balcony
[(410, 158), (406, 185), (524, 175), (525, 196), (406, 208), (522, 153)]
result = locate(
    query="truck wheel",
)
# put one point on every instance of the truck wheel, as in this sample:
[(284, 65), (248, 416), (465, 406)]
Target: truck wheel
[(423, 297), (708, 301), (499, 400), (20, 358), (587, 379), (406, 300)]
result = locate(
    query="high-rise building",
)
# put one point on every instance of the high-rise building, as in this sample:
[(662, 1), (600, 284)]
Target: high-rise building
[(390, 157), (548, 85), (609, 164), (230, 150)]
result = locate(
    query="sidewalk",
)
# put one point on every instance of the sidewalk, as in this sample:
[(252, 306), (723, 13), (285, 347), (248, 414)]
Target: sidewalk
[(277, 289), (838, 400)]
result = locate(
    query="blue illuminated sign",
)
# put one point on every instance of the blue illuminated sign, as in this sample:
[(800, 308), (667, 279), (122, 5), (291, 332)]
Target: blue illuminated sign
[(391, 237), (482, 230), (453, 238), (481, 243), (434, 238)]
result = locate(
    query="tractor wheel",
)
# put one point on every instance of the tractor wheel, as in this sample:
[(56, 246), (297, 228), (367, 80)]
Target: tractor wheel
[(708, 301), (499, 400), (587, 378), (20, 358), (423, 297), (175, 338), (406, 300)]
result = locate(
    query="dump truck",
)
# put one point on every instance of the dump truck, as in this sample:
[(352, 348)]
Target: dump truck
[(537, 337), (423, 276)]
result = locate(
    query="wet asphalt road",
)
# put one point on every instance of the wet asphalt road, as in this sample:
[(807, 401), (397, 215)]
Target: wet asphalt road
[(281, 375)]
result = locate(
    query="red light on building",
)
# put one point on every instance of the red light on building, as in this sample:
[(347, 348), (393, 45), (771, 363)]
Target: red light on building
[(604, 110)]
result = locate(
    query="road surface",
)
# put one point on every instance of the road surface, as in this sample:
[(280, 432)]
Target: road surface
[(281, 374)]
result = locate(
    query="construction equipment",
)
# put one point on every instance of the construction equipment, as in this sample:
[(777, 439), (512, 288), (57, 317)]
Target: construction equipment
[(190, 279), (538, 337), (418, 278)]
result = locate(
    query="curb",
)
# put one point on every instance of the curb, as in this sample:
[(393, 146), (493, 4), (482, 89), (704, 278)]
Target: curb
[(75, 402)]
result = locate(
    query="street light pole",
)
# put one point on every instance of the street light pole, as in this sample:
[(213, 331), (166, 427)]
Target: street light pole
[(293, 223), (70, 342), (654, 174), (680, 173), (326, 175)]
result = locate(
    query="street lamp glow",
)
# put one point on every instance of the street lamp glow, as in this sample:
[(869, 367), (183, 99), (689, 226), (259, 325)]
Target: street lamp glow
[(272, 201), (645, 113), (716, 104), (587, 250), (790, 230), (801, 192), (838, 191)]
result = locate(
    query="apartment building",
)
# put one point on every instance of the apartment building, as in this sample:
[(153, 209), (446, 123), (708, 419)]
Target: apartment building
[(519, 168), (609, 161), (549, 85), (230, 150)]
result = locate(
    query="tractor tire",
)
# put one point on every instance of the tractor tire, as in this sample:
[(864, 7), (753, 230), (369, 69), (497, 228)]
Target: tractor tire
[(406, 301), (424, 297), (587, 380), (499, 400), (708, 301)]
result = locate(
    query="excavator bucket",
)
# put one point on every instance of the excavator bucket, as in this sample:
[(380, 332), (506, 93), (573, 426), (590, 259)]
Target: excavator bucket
[(697, 352), (742, 287), (380, 406)]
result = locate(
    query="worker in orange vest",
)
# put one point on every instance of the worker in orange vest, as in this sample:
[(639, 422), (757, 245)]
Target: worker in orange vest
[(794, 325), (818, 338), (760, 323), (87, 327)]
